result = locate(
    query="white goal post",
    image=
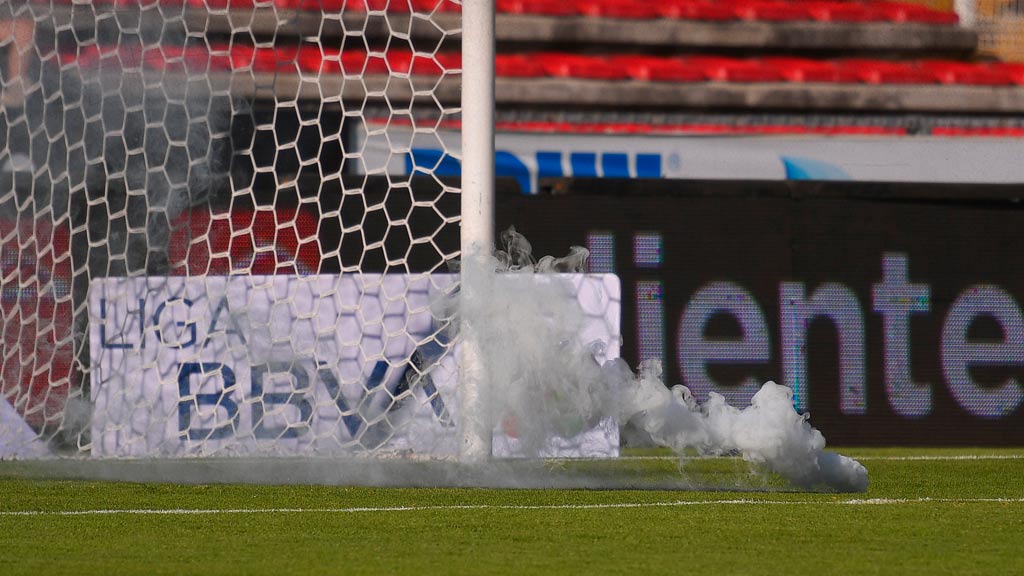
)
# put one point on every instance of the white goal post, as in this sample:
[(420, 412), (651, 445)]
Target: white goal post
[(477, 200)]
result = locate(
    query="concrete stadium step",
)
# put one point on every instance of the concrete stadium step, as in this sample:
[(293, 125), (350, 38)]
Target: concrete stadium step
[(828, 27)]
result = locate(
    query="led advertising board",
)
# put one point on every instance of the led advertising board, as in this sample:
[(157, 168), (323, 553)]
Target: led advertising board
[(893, 310)]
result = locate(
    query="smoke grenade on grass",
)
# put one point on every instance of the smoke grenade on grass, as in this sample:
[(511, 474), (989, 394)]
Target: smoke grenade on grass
[(542, 381)]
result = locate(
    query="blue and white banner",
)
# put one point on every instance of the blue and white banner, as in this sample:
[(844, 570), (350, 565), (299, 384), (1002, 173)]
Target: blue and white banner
[(289, 365), (529, 157)]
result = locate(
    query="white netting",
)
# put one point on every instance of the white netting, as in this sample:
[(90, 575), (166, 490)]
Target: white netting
[(150, 147), (198, 257)]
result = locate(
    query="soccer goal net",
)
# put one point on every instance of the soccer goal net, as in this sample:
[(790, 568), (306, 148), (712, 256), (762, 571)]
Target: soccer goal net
[(217, 239)]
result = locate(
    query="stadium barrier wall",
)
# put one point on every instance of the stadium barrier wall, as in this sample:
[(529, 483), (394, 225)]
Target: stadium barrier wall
[(533, 157), (217, 366), (893, 310)]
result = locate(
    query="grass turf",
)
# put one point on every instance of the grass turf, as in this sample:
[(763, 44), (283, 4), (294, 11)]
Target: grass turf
[(532, 531)]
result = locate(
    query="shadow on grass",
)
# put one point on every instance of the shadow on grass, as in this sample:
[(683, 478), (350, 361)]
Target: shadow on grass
[(691, 474)]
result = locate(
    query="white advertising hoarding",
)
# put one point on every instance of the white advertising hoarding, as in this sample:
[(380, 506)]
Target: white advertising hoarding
[(290, 365), (529, 157)]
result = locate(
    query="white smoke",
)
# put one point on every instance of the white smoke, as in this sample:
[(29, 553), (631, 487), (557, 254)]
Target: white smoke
[(542, 382)]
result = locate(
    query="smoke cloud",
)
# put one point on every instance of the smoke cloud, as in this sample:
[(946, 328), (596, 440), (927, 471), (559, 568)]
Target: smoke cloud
[(541, 381)]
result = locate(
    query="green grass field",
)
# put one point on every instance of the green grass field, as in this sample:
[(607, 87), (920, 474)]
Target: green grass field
[(927, 512)]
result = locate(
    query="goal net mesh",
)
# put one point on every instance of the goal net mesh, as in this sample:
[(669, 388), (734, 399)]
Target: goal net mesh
[(216, 237)]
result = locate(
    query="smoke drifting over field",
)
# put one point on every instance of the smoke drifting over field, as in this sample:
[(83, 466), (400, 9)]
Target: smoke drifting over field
[(540, 382), (544, 382)]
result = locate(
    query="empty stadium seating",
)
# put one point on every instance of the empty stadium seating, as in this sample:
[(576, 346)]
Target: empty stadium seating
[(693, 68), (280, 241), (837, 55), (650, 68), (695, 10), (711, 10)]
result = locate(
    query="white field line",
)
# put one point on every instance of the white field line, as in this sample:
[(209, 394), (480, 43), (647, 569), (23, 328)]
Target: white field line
[(455, 507), (938, 457), (945, 457)]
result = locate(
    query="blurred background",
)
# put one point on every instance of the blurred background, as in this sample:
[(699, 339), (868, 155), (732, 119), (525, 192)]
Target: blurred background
[(821, 192)]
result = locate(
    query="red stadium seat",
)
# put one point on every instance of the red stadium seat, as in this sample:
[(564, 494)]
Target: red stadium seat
[(884, 72), (144, 2), (226, 4), (631, 9), (404, 62), (354, 63), (391, 6), (844, 12), (694, 10), (806, 70), (313, 59), (310, 58), (102, 56), (36, 314), (315, 5), (541, 7), (420, 64), (431, 6), (517, 66), (901, 12), (951, 72), (280, 241), (575, 66), (650, 68), (770, 11), (449, 61), (194, 59), (283, 59), (733, 70), (1015, 71), (395, 6)]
